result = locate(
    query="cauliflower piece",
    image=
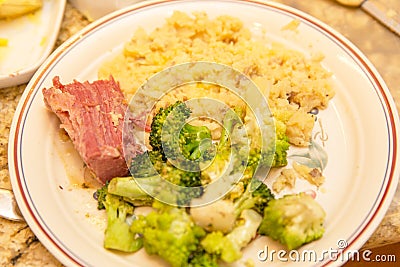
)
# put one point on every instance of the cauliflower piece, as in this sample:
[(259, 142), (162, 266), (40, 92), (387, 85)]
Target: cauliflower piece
[(217, 216)]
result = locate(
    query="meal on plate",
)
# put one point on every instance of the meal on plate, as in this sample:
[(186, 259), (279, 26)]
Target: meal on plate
[(182, 157)]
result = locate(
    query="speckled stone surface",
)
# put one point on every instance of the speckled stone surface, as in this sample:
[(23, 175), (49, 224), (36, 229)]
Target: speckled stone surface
[(20, 247)]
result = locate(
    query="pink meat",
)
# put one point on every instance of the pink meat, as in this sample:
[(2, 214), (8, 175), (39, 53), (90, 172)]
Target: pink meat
[(93, 116)]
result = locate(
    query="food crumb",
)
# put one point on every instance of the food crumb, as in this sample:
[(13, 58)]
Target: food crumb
[(317, 57), (312, 175), (249, 263), (391, 13), (291, 26), (43, 41), (3, 42), (286, 179)]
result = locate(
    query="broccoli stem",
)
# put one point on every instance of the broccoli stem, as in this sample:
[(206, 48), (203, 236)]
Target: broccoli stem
[(256, 196), (125, 187), (242, 235), (231, 118), (129, 189), (117, 235)]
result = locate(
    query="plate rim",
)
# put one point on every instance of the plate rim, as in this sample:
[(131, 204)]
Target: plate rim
[(372, 219)]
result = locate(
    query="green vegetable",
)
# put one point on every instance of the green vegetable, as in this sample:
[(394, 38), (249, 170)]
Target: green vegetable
[(228, 247), (245, 159), (152, 163), (254, 161), (232, 118), (281, 145), (191, 141), (117, 234), (201, 258), (155, 173), (257, 199), (216, 243), (100, 195), (226, 148), (293, 220), (194, 141), (174, 235), (130, 191), (170, 233), (146, 164), (241, 235)]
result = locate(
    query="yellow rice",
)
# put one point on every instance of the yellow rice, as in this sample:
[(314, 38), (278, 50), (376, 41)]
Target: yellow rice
[(292, 83)]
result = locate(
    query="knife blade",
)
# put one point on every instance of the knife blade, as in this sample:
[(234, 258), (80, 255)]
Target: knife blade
[(383, 14), (386, 16)]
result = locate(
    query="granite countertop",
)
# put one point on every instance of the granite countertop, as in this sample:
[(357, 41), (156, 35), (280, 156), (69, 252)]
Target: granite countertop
[(20, 247)]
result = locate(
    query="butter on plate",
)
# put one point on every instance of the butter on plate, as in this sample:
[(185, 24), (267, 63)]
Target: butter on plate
[(16, 8)]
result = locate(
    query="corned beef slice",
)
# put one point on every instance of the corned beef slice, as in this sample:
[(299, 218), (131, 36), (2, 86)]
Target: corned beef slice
[(93, 116)]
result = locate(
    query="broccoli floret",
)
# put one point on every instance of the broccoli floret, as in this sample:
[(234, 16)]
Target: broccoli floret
[(221, 162), (276, 159), (146, 164), (271, 157), (181, 114), (201, 258), (250, 193), (184, 177), (194, 141), (166, 158), (100, 196), (253, 161), (281, 145), (191, 141), (256, 197), (216, 243), (293, 220), (228, 247), (231, 118), (151, 165), (169, 233), (117, 234)]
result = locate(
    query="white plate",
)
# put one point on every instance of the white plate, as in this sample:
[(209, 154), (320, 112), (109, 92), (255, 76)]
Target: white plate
[(361, 121), (31, 39)]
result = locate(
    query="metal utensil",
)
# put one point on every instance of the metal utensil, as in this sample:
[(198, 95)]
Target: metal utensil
[(381, 13), (8, 206)]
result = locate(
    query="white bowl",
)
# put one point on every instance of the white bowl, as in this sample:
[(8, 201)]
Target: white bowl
[(96, 9)]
